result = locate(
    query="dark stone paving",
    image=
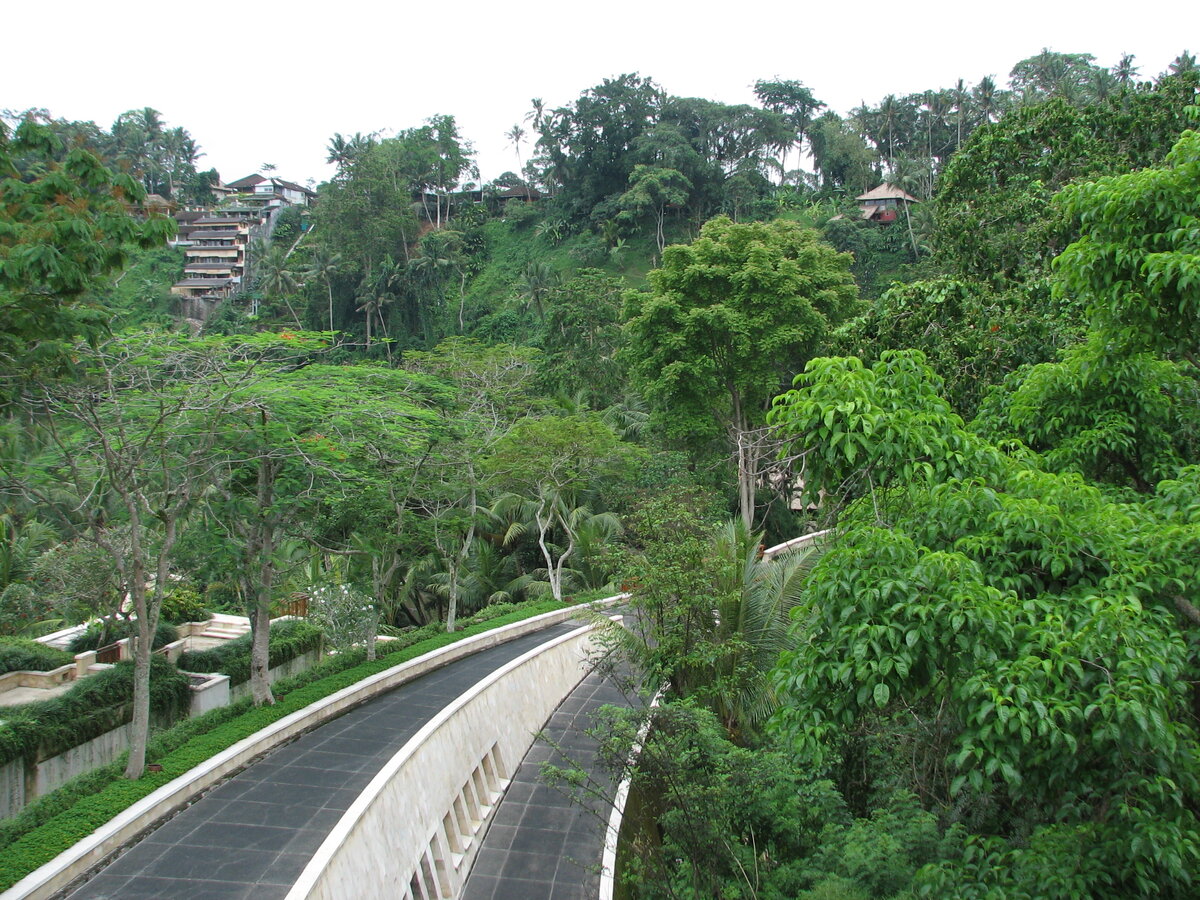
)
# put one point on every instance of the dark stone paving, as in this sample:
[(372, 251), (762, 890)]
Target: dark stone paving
[(252, 835), (542, 844)]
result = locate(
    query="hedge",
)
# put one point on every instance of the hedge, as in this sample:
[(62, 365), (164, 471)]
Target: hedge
[(52, 825), (96, 704), (20, 654), (288, 639)]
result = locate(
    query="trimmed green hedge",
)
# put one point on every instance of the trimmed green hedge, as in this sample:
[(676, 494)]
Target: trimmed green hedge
[(96, 704), (20, 654), (52, 825), (288, 639)]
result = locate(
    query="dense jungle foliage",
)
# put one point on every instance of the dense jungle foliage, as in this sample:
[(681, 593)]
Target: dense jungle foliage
[(673, 337)]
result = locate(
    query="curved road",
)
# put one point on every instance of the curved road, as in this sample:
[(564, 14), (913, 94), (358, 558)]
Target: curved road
[(252, 835)]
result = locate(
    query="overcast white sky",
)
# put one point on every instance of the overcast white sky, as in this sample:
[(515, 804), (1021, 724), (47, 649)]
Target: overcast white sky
[(269, 81)]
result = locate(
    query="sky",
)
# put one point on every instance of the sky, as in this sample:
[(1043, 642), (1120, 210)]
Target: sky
[(271, 82)]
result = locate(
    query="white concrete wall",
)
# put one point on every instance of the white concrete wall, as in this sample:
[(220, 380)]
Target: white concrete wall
[(212, 695), (99, 751), (12, 788), (284, 670), (413, 831)]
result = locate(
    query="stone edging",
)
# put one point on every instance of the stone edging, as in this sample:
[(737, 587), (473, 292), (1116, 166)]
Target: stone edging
[(75, 862)]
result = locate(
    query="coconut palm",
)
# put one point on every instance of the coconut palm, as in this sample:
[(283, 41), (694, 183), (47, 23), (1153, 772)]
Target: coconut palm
[(537, 281), (1125, 71), (1184, 62), (323, 265), (274, 277), (755, 598), (516, 135)]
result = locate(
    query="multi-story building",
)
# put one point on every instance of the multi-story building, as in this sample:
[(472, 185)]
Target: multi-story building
[(217, 242)]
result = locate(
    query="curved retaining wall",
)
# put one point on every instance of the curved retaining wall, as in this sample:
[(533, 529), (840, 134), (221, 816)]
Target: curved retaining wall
[(413, 833), (71, 864)]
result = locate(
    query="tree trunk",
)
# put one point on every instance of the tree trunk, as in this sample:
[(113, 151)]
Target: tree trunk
[(139, 732), (452, 610), (262, 552), (747, 464), (260, 662), (551, 574), (372, 633)]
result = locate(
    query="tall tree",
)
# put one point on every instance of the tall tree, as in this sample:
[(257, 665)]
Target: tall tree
[(793, 101), (727, 320), (64, 228), (546, 466)]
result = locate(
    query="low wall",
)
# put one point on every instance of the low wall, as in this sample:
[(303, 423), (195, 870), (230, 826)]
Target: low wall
[(293, 666), (71, 864), (12, 787), (99, 751), (412, 833), (32, 678), (213, 694)]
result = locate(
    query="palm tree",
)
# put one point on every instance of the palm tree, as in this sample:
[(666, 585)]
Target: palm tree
[(1125, 71), (889, 120), (274, 277), (515, 135), (1184, 62), (489, 576), (962, 107), (755, 598), (537, 114), (371, 304), (987, 100), (558, 523), (537, 281), (323, 265)]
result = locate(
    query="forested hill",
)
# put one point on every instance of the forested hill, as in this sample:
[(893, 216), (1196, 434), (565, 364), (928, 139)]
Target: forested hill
[(956, 328)]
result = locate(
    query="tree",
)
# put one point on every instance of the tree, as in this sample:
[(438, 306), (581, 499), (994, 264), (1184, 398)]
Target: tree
[(309, 440), (65, 226), (995, 222), (492, 390), (131, 439), (582, 337), (589, 142), (547, 466), (323, 265), (274, 277), (726, 322), (961, 627), (1137, 259), (793, 101), (651, 190), (516, 135), (537, 281)]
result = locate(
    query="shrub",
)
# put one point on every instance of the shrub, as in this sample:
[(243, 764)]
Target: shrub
[(288, 640), (183, 604), (18, 654), (222, 597), (107, 631), (20, 608)]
